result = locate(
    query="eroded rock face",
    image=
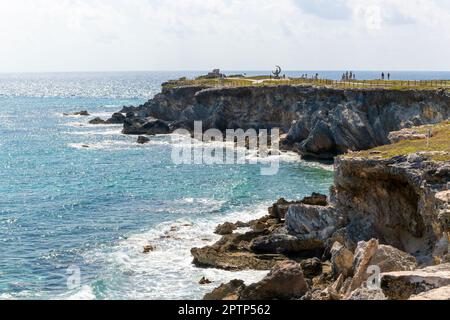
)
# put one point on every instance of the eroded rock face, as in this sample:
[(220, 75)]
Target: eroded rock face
[(402, 285), (393, 200), (320, 122)]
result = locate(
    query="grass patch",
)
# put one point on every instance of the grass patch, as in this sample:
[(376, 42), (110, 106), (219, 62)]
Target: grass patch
[(439, 144), (258, 81)]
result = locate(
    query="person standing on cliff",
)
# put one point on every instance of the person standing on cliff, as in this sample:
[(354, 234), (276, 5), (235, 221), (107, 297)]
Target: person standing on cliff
[(389, 76), (382, 76)]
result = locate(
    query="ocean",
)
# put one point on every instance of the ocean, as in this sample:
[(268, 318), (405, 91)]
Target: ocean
[(67, 210)]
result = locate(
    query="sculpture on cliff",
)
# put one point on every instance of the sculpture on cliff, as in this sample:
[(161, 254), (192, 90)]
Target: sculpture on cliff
[(277, 72)]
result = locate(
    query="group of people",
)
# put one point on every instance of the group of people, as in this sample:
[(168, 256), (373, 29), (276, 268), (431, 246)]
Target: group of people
[(348, 75), (383, 76), (305, 76)]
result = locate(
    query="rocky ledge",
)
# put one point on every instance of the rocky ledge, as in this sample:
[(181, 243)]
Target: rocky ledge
[(383, 233), (318, 123)]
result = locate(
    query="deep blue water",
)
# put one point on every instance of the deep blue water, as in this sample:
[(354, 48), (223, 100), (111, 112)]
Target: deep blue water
[(64, 205)]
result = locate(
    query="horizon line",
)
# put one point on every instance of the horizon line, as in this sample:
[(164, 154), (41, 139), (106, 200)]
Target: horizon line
[(207, 70)]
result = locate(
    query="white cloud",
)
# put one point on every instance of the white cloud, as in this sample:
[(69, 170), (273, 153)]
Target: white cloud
[(55, 35)]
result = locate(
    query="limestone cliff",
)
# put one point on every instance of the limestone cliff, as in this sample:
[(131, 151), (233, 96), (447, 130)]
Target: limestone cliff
[(320, 122)]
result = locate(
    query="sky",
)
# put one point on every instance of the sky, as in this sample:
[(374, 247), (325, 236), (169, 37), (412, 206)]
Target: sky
[(133, 35)]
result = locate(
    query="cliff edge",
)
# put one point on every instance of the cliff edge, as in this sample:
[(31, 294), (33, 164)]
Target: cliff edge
[(320, 123)]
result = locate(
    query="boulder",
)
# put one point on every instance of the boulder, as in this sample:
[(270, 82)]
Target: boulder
[(312, 224), (148, 249), (390, 259), (405, 134), (232, 252), (316, 199), (143, 140), (97, 121), (341, 236), (442, 293), (285, 282), (320, 144), (225, 228), (280, 209), (229, 260), (284, 243), (136, 126), (311, 267), (116, 118), (127, 109), (204, 281), (342, 260), (229, 291), (364, 253), (327, 294), (403, 284)]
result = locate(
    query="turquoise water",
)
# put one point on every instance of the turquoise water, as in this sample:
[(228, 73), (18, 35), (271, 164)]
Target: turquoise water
[(63, 205)]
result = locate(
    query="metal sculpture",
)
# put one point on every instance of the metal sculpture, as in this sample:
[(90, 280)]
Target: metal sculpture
[(277, 72)]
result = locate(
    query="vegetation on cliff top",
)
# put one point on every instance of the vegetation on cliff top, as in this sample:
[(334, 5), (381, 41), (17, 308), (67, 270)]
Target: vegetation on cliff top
[(258, 81), (438, 146)]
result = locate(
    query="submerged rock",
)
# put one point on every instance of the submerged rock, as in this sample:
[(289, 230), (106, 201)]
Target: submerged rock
[(143, 140), (148, 249), (204, 281), (83, 113)]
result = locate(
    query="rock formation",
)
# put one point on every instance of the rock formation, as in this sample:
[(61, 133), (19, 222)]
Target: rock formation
[(386, 214), (319, 122)]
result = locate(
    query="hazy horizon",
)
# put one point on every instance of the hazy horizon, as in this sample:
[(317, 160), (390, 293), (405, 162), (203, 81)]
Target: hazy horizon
[(193, 35)]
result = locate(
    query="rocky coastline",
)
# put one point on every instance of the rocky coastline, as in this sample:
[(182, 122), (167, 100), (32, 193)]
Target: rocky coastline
[(386, 220), (317, 122)]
